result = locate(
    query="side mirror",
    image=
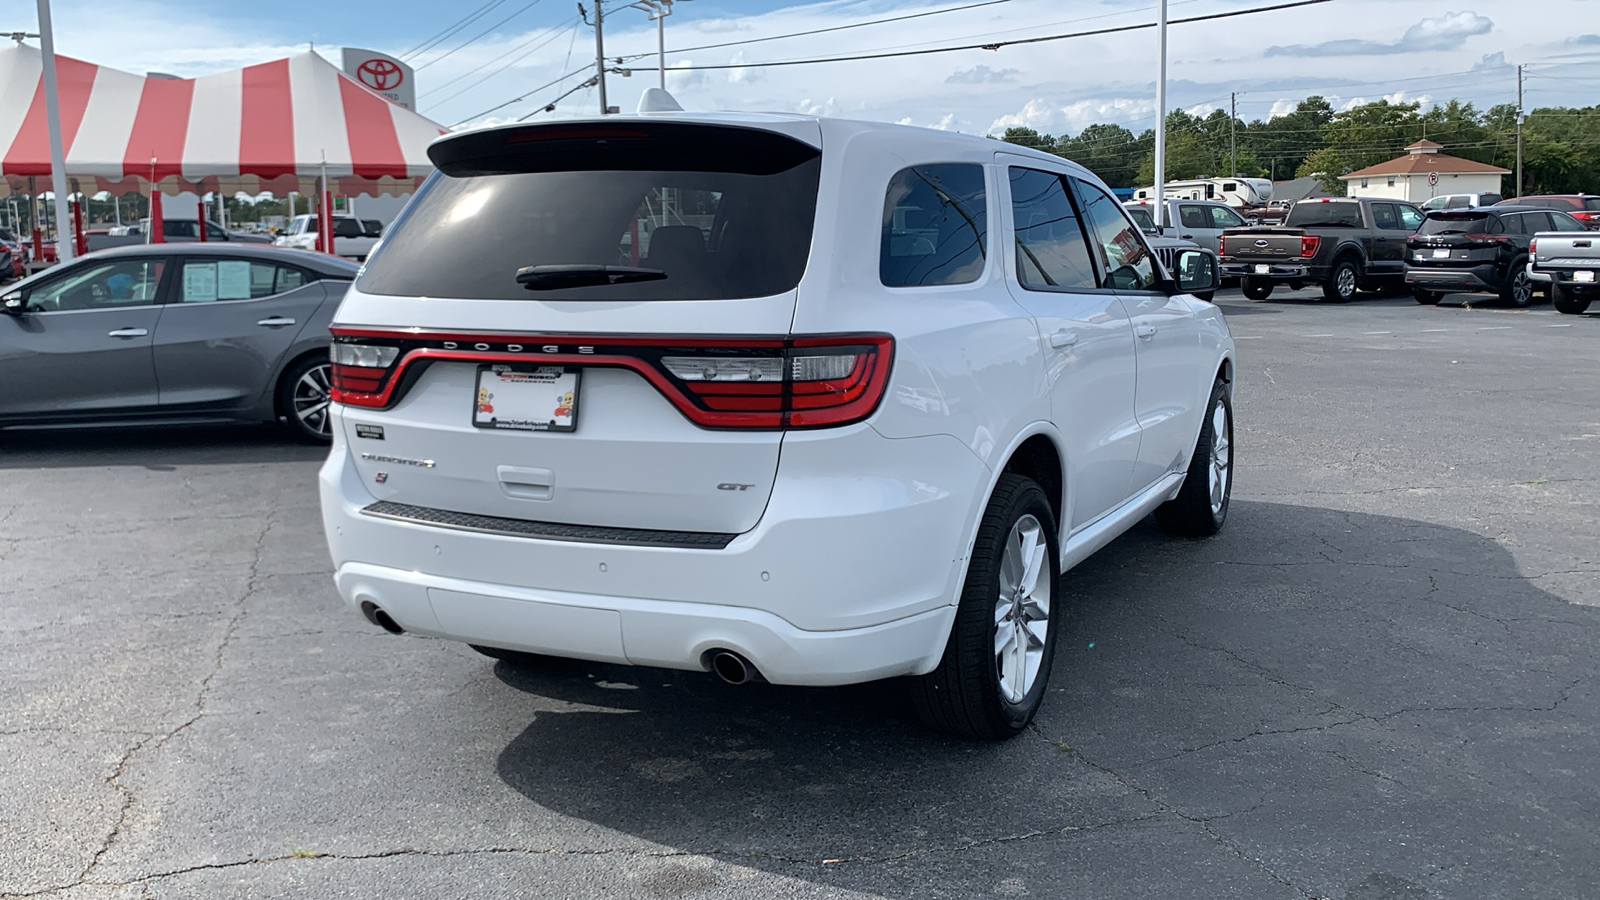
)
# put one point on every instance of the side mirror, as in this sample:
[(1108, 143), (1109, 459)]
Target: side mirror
[(13, 304), (1195, 271)]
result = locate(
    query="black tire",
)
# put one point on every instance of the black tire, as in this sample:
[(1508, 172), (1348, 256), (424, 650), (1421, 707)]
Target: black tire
[(1426, 297), (966, 694), (1195, 512), (1341, 284), (1255, 289), (1571, 303), (303, 399), (1518, 290)]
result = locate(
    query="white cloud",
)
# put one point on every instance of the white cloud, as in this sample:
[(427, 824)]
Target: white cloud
[(1282, 108), (1446, 32), (982, 75)]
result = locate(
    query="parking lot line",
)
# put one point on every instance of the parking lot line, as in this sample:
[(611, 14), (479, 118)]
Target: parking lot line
[(1377, 332), (1427, 330), (1248, 337), (1562, 325), (1316, 335), (1494, 328)]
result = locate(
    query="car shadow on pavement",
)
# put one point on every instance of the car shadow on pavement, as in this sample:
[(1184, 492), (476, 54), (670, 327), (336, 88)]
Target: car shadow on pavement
[(1340, 697), (153, 447)]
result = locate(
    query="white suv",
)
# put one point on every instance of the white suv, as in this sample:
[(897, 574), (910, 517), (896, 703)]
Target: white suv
[(805, 400)]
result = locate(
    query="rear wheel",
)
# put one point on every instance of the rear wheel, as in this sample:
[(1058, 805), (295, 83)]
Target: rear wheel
[(1341, 284), (992, 678), (1202, 504), (304, 395), (1256, 289), (1567, 301), (1426, 297), (1518, 290)]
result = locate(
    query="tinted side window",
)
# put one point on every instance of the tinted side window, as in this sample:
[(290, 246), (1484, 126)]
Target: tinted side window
[(1051, 249), (1193, 216), (935, 223), (1383, 216), (1223, 217), (1126, 261), (346, 228), (1563, 222)]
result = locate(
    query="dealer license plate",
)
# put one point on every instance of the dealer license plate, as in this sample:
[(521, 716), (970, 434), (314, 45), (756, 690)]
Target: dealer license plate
[(526, 398), (1585, 276), (1262, 270), (1441, 254)]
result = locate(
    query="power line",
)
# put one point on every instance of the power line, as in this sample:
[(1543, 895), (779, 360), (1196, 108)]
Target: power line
[(548, 84), (479, 36), (999, 44), (460, 24), (540, 40)]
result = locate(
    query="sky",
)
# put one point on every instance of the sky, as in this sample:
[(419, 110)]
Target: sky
[(1348, 50)]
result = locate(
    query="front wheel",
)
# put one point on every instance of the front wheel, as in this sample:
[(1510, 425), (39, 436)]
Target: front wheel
[(1202, 503), (991, 679), (1256, 289), (304, 396), (1567, 301), (1341, 284)]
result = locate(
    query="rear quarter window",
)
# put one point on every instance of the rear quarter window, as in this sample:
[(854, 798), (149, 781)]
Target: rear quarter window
[(935, 226)]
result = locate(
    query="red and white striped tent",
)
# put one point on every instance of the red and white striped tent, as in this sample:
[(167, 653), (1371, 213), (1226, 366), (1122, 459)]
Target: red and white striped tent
[(268, 127)]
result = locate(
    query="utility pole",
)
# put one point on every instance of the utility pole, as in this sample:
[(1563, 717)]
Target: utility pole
[(52, 115), (600, 52), (1519, 130), (1161, 117), (1233, 135)]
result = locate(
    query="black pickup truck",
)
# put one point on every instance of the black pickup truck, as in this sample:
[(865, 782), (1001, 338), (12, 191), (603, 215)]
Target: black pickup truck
[(1342, 244)]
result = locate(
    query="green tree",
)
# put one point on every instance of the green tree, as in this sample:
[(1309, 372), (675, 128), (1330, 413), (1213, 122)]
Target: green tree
[(1027, 137)]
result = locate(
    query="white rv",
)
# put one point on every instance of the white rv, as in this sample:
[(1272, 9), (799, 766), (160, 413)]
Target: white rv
[(1239, 193)]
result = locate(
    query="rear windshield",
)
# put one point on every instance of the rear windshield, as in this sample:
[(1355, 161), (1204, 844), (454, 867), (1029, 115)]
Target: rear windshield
[(1456, 223), (691, 212), (1338, 214), (1141, 217)]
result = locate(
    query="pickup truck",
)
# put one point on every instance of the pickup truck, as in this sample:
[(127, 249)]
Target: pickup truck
[(173, 231), (1570, 262), (353, 238), (1342, 244)]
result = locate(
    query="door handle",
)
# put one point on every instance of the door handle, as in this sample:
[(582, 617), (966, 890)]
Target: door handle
[(128, 332), (276, 321), (1063, 339), (1145, 331), (1186, 236)]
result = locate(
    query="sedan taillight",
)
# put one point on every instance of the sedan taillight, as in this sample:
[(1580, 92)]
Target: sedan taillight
[(759, 383)]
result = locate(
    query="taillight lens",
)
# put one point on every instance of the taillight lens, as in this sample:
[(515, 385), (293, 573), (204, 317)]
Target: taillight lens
[(1308, 245), (763, 383), (1533, 246)]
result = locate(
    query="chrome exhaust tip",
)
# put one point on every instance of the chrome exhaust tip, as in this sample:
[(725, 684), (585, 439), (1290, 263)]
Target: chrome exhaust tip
[(733, 668)]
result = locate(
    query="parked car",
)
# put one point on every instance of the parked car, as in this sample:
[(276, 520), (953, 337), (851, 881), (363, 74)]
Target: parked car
[(16, 256), (1568, 263), (1342, 244), (974, 368), (176, 230), (353, 238), (1271, 214), (1201, 221), (172, 332), (1483, 250), (1583, 207), (1460, 201)]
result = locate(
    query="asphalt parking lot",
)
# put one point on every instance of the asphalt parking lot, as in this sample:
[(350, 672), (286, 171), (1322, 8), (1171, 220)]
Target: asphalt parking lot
[(1378, 682)]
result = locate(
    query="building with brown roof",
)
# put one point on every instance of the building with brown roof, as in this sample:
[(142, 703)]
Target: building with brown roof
[(1424, 173)]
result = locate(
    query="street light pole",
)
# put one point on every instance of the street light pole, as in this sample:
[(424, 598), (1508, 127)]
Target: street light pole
[(52, 115), (1161, 117), (1519, 131)]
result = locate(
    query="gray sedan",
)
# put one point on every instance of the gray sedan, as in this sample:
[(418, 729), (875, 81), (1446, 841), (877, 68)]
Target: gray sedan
[(175, 333)]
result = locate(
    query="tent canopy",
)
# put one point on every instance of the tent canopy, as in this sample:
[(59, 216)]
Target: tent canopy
[(268, 127)]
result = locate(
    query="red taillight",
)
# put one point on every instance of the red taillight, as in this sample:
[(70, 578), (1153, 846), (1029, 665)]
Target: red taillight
[(1485, 238), (801, 382), (1533, 246), (1308, 245)]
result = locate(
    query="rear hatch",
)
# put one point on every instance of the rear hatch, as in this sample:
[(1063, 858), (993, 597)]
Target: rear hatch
[(589, 324), (1455, 239)]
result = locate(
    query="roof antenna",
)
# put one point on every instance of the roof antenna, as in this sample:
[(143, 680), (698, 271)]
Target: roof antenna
[(657, 100)]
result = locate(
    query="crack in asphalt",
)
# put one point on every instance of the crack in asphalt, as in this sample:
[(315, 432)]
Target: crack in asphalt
[(114, 780)]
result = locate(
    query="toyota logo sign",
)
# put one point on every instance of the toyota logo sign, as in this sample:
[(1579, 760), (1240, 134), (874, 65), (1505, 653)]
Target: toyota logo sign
[(380, 74)]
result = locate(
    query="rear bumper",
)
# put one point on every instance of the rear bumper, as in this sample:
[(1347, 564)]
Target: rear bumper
[(1564, 277), (1476, 279), (850, 575), (1275, 271)]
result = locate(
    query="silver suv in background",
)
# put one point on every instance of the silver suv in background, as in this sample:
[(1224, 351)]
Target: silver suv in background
[(1200, 221), (1461, 201)]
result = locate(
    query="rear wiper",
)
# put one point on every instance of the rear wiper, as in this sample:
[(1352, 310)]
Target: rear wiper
[(554, 278)]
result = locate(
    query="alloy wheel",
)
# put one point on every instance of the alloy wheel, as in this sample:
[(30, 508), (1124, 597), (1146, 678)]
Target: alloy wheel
[(1022, 609), (1221, 468), (312, 393), (1347, 282), (1522, 289)]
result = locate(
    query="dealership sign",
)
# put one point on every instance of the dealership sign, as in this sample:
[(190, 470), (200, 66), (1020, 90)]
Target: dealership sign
[(382, 73)]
